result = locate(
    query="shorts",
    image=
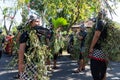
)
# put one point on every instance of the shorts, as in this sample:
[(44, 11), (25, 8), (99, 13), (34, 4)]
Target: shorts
[(81, 56), (82, 49), (98, 69)]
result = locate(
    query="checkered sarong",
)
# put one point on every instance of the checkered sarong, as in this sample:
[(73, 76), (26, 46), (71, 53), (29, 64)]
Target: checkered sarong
[(29, 73), (98, 54)]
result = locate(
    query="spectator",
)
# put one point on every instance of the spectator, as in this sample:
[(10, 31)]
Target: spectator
[(81, 36)]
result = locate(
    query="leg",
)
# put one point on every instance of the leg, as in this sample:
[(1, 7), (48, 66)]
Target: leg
[(81, 65), (104, 77), (55, 61), (103, 70), (60, 52), (82, 62), (82, 50), (95, 69)]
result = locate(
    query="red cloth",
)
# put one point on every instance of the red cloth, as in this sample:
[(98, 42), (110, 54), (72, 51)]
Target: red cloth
[(9, 44)]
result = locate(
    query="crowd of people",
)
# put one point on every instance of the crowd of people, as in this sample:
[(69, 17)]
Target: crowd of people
[(52, 39)]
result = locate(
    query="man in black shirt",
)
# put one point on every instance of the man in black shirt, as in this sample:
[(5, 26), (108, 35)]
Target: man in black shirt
[(98, 58), (33, 21), (81, 36)]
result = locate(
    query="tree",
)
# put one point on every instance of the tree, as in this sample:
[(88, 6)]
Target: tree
[(9, 14), (72, 10)]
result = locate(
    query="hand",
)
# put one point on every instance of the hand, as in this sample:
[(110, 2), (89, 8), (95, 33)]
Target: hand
[(21, 67), (91, 50)]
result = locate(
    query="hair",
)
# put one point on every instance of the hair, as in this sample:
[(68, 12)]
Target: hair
[(33, 17)]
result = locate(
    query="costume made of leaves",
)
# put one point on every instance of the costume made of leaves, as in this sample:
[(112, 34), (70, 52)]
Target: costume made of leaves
[(37, 54), (59, 42), (110, 45)]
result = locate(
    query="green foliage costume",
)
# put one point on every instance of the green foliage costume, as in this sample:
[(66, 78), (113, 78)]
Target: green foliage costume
[(36, 55)]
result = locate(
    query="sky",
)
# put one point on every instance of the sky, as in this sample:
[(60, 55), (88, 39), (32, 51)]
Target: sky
[(117, 16), (18, 18), (9, 3)]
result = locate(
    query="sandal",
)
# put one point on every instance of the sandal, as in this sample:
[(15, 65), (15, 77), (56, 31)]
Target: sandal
[(55, 67), (77, 71), (83, 69)]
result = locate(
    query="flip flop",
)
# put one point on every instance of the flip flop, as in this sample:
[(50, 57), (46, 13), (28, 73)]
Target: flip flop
[(77, 71)]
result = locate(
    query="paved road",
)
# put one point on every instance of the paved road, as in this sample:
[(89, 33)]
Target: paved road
[(6, 73), (64, 72), (66, 67)]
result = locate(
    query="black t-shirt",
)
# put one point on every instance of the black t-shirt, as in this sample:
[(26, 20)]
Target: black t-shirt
[(40, 31), (83, 34), (100, 27), (71, 39), (24, 38)]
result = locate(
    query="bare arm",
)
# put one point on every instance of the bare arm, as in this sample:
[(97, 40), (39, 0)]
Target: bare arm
[(18, 37), (94, 41), (21, 57)]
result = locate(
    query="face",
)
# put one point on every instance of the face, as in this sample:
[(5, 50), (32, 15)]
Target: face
[(35, 23), (100, 15)]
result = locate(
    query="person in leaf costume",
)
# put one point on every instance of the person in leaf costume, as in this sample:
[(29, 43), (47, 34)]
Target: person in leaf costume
[(58, 45), (97, 56), (58, 24), (32, 52)]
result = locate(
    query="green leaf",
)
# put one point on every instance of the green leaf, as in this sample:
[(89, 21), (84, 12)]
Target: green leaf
[(59, 22), (27, 1)]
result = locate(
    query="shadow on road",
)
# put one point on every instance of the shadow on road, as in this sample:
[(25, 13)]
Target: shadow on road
[(64, 72)]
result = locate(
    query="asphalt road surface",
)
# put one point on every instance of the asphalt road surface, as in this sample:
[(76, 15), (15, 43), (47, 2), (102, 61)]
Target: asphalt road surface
[(66, 66)]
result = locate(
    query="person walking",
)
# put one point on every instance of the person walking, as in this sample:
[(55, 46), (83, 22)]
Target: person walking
[(32, 56), (81, 36), (97, 56)]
